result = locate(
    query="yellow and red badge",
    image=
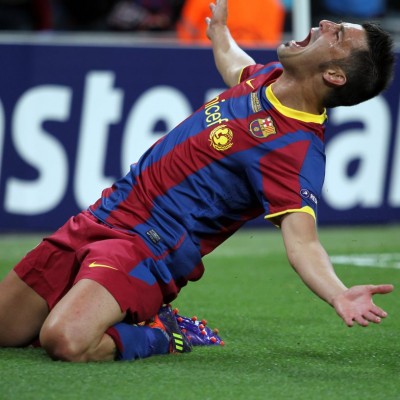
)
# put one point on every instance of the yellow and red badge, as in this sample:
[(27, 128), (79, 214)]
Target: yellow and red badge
[(262, 127), (221, 138)]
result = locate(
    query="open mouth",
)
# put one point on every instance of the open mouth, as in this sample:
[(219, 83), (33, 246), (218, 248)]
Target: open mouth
[(302, 44)]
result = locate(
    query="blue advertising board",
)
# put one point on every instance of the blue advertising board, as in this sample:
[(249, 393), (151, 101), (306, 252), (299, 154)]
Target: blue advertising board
[(74, 117)]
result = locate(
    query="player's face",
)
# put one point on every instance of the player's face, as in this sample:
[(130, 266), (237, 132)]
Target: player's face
[(328, 41)]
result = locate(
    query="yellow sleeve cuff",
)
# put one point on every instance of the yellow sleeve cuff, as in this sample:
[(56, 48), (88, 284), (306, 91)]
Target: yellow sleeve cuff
[(240, 75), (306, 209)]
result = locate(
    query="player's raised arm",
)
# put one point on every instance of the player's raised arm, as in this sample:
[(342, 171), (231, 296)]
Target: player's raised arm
[(311, 262), (230, 59)]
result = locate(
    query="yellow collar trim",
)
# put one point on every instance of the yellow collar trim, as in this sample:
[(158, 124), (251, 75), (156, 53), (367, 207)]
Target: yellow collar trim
[(292, 113)]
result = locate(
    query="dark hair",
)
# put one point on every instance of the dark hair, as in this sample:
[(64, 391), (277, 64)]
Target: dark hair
[(368, 72)]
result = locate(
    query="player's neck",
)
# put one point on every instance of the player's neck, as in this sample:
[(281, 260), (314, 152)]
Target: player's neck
[(293, 94)]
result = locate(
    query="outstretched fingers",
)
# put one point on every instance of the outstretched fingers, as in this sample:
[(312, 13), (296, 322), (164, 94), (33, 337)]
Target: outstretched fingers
[(366, 318), (355, 305), (378, 312)]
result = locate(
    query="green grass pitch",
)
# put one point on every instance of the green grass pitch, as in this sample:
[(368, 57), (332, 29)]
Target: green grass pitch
[(282, 342)]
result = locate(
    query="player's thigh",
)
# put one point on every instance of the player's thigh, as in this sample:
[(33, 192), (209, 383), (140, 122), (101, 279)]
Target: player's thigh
[(128, 269), (81, 317), (22, 312)]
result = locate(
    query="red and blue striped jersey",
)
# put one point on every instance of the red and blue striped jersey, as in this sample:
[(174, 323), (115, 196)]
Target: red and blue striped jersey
[(240, 155)]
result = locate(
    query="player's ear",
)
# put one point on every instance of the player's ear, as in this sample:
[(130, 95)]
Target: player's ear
[(334, 76)]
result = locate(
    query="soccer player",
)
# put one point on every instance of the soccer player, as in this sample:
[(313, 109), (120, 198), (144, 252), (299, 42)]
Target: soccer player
[(258, 148)]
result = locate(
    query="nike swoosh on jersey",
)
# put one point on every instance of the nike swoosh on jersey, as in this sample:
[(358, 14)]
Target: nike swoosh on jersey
[(95, 265), (249, 83)]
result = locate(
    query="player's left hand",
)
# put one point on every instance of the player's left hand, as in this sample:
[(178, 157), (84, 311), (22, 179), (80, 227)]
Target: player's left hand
[(355, 304), (219, 15)]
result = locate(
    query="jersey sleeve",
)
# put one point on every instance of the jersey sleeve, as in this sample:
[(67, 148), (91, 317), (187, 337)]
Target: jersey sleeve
[(258, 69), (289, 179), (248, 71)]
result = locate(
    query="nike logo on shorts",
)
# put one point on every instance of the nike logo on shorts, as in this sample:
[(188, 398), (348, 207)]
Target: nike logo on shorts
[(95, 265)]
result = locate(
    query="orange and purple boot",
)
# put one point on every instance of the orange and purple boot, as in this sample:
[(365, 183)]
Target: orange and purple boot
[(166, 321), (197, 332)]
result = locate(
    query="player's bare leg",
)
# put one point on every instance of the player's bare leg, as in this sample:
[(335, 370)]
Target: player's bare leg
[(22, 312), (75, 328)]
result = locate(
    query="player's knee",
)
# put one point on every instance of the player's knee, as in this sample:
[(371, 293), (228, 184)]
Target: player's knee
[(61, 344)]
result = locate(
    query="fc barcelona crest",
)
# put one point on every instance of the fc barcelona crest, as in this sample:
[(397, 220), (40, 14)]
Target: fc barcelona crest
[(262, 128)]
